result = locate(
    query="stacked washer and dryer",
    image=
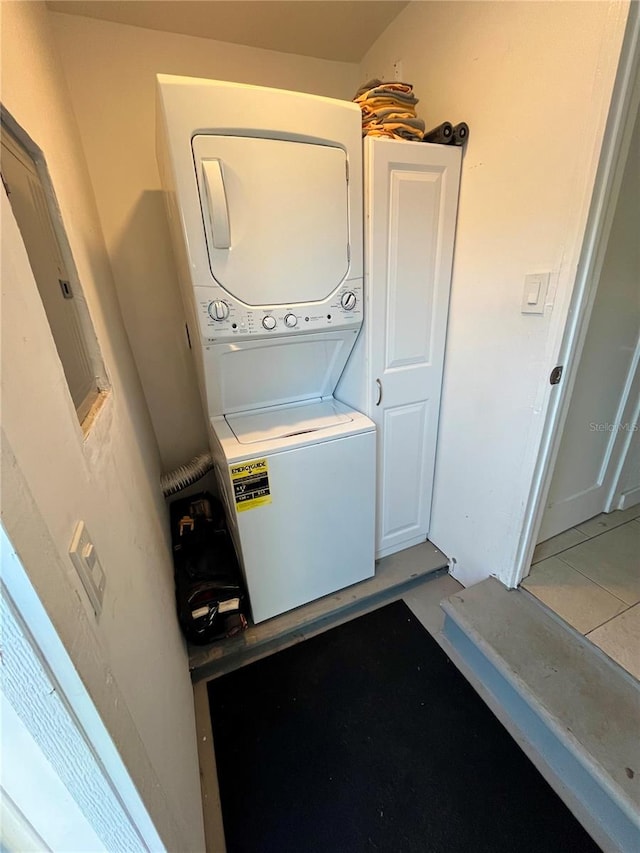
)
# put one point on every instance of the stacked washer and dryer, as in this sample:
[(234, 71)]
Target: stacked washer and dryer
[(264, 190)]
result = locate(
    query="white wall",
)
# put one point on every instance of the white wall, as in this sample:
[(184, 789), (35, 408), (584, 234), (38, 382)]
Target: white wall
[(111, 72), (133, 661), (534, 81)]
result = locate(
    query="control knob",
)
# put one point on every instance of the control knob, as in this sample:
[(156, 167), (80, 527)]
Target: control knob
[(269, 322), (348, 300), (290, 320), (218, 310)]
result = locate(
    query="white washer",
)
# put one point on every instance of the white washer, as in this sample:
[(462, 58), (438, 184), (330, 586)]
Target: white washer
[(297, 482), (264, 192)]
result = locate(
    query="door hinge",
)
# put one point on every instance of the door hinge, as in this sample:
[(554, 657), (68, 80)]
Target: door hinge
[(186, 328), (348, 253), (65, 287), (556, 375), (346, 168), (5, 185)]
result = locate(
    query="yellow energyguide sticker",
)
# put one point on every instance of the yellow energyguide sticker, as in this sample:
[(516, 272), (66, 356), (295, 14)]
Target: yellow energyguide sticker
[(250, 481)]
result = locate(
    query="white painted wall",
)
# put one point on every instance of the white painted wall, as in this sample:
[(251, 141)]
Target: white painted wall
[(111, 71), (534, 81), (133, 662)]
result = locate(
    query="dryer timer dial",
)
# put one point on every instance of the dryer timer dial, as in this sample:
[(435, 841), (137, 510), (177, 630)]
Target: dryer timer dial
[(348, 300), (269, 322), (218, 310)]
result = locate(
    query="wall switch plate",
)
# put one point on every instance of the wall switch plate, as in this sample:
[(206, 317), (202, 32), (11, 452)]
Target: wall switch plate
[(535, 293), (84, 557)]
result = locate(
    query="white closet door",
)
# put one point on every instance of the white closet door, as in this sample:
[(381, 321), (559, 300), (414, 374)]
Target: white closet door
[(412, 193)]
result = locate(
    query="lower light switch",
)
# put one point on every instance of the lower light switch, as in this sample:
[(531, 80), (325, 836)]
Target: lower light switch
[(535, 293), (84, 557)]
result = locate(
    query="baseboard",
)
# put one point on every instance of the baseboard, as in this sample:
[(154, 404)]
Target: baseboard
[(630, 498)]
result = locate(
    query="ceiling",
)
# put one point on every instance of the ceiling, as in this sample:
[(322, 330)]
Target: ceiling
[(329, 29)]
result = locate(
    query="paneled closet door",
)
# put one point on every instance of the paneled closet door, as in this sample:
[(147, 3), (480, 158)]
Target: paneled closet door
[(412, 191)]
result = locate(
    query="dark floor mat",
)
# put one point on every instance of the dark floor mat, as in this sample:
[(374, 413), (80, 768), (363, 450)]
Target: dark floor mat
[(367, 738)]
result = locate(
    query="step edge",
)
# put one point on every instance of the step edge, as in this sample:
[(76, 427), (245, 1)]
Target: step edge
[(576, 804), (578, 749), (235, 658)]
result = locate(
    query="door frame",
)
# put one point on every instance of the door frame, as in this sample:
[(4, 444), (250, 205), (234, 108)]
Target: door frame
[(80, 722), (615, 147)]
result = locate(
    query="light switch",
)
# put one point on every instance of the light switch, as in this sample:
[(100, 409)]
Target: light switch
[(84, 557), (535, 293)]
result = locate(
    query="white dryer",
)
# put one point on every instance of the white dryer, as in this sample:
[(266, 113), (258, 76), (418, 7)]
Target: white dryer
[(264, 191)]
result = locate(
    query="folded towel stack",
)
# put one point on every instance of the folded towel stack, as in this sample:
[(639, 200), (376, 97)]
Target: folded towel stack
[(389, 109)]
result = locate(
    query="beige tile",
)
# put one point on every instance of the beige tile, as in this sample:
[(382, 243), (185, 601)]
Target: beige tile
[(557, 544), (608, 520), (620, 639), (571, 595), (611, 560)]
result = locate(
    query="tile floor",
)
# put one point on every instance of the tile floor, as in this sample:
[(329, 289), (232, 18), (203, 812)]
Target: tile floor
[(590, 576)]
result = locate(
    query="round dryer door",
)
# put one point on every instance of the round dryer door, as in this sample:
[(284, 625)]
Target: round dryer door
[(275, 215)]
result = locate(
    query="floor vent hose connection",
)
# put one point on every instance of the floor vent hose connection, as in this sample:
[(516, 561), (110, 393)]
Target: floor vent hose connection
[(185, 475)]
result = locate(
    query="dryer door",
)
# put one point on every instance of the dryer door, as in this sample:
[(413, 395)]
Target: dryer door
[(275, 216)]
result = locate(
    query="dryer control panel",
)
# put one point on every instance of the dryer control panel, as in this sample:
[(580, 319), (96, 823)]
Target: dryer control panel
[(223, 319)]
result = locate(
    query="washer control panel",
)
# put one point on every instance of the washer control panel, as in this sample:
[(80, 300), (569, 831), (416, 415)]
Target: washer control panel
[(222, 318)]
